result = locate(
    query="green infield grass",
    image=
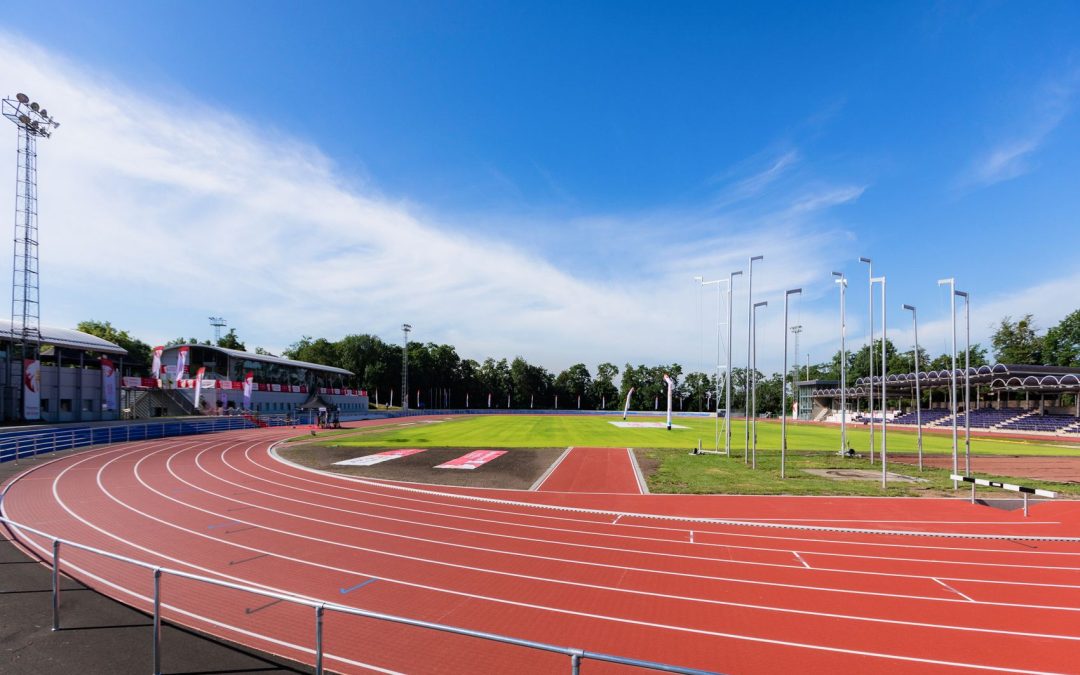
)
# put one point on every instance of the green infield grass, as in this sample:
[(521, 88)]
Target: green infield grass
[(545, 431)]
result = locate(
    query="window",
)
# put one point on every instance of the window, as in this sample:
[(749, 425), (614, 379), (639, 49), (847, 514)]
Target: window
[(44, 405), (65, 405), (88, 405)]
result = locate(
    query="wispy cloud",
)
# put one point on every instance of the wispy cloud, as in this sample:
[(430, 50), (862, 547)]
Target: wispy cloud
[(155, 217), (1014, 156)]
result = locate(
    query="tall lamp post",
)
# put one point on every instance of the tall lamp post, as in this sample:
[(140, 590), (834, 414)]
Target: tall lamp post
[(783, 385), (884, 374), (918, 393), (842, 282), (405, 329), (719, 296), (967, 381), (870, 321), (749, 334), (727, 405), (952, 376), (753, 375)]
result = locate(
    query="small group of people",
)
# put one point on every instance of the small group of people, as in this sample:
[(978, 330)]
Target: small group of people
[(329, 419)]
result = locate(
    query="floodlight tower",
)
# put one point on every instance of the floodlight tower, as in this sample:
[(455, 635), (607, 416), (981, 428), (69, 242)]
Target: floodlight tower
[(405, 329), (218, 323), (33, 122)]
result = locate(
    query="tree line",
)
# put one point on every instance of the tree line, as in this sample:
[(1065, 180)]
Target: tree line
[(446, 380)]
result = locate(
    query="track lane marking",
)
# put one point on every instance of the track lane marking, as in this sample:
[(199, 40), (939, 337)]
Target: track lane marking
[(550, 470), (800, 558), (954, 590)]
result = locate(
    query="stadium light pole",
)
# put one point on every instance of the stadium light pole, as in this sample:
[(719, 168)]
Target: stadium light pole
[(719, 297), (967, 381), (842, 282), (405, 329), (753, 376), (918, 393), (870, 320), (749, 334), (783, 385), (727, 405), (884, 374), (952, 376)]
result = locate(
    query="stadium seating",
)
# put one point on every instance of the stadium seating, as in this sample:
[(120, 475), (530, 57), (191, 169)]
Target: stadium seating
[(929, 415), (1044, 423)]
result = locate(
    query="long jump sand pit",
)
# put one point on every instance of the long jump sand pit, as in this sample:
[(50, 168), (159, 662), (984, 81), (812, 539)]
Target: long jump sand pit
[(517, 468), (1058, 469)]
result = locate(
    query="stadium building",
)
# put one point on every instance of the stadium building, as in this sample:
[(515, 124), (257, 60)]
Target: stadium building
[(76, 377), (203, 379)]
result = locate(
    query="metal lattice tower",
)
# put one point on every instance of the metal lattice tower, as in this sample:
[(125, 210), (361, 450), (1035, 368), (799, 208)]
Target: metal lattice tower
[(33, 122), (405, 328), (218, 323)]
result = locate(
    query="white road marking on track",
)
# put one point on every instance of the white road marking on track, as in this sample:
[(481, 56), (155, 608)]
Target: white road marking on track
[(550, 470), (953, 590), (691, 536), (755, 639), (616, 520), (805, 564)]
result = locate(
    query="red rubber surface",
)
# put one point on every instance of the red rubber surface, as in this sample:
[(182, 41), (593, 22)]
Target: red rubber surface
[(594, 571), (593, 470)]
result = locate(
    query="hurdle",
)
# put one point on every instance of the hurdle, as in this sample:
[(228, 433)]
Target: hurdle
[(1022, 489)]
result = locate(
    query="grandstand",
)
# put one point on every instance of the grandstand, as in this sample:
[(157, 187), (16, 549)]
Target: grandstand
[(72, 387), (1006, 398), (279, 385)]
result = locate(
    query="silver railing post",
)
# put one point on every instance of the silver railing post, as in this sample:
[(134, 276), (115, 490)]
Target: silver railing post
[(56, 584), (575, 664), (973, 493), (1025, 504), (319, 639), (157, 621)]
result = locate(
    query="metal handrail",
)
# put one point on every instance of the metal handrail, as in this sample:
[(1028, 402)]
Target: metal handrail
[(320, 607)]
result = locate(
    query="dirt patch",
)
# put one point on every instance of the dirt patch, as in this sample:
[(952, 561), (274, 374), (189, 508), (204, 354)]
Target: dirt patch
[(862, 474), (647, 464), (518, 469), (1057, 469)]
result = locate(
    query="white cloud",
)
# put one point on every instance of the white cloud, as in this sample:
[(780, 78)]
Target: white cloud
[(156, 216)]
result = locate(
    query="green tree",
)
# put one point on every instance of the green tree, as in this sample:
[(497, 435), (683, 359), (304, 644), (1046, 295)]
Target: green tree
[(231, 341), (138, 351), (1017, 342), (1061, 344), (603, 392)]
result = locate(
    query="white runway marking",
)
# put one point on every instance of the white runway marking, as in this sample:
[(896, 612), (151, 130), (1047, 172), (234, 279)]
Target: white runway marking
[(954, 590), (550, 470), (805, 564)]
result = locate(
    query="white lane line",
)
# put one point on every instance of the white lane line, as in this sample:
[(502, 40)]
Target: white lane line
[(614, 522), (805, 564), (953, 590), (510, 602), (643, 487), (691, 536), (716, 545), (550, 470)]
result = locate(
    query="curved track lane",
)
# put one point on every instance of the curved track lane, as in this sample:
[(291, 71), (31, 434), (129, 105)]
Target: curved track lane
[(666, 578)]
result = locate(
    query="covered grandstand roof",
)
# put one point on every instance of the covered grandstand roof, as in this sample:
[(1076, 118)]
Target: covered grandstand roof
[(66, 337), (266, 358), (1045, 379)]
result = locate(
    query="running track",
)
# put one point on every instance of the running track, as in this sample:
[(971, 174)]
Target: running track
[(635, 575)]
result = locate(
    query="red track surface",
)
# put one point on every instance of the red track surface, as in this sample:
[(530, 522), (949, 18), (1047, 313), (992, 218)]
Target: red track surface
[(594, 470), (595, 571)]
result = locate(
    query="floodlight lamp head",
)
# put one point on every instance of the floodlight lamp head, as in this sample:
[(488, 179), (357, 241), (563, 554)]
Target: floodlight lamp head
[(757, 257), (34, 106), (763, 303), (22, 98), (962, 294), (910, 307), (794, 291), (868, 261), (699, 279), (736, 273), (839, 275), (942, 282)]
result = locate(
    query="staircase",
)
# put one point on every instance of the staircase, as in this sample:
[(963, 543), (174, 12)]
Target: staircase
[(1001, 426)]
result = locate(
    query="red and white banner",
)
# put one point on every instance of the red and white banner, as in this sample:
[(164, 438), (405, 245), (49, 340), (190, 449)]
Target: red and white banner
[(198, 387), (31, 389), (140, 382), (181, 363), (379, 457), (108, 384), (473, 460), (249, 380), (155, 368)]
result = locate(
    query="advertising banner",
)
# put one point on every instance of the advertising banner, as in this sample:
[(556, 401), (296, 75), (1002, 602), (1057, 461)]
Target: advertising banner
[(198, 388), (249, 380), (181, 363), (108, 384), (31, 389), (626, 408), (155, 367)]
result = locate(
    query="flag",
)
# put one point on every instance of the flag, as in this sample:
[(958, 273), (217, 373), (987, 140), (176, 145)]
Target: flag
[(181, 363), (489, 399), (249, 381), (198, 386), (31, 389), (155, 368), (108, 384), (626, 410), (670, 385)]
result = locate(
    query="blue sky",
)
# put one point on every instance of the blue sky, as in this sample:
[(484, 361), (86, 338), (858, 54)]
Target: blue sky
[(546, 179)]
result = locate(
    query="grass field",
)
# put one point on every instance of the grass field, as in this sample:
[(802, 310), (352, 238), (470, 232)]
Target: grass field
[(544, 431)]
